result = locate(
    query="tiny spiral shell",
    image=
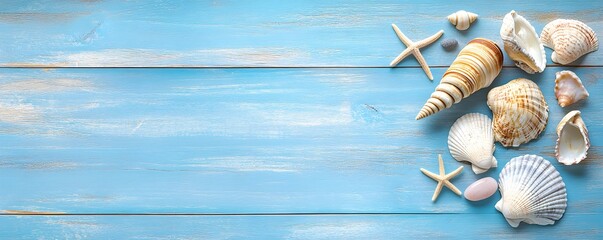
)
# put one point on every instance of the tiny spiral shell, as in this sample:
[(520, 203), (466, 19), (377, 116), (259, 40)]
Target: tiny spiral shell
[(462, 19), (570, 40), (476, 66)]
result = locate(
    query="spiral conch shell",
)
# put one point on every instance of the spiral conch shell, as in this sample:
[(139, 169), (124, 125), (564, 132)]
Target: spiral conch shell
[(520, 112), (522, 43), (572, 142), (462, 19), (569, 88), (476, 66), (570, 40)]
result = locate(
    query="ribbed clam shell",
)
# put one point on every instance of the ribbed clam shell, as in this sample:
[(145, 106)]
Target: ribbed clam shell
[(462, 19), (520, 112), (522, 44), (569, 88), (570, 40), (532, 191), (474, 68), (471, 140), (573, 141)]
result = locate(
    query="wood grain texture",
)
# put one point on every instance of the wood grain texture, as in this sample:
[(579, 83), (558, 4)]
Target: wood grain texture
[(412, 226), (155, 33), (251, 141)]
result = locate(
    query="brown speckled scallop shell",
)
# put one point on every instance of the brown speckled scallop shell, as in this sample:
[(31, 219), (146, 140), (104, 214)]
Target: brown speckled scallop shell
[(520, 112)]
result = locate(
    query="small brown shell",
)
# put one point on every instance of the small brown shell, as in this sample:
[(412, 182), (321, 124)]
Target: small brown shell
[(520, 112), (569, 88)]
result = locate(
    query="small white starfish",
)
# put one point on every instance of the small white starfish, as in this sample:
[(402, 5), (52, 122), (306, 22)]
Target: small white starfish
[(443, 178), (413, 48)]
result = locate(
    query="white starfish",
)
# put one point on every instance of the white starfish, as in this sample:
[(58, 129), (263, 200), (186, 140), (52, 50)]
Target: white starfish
[(413, 48), (443, 178)]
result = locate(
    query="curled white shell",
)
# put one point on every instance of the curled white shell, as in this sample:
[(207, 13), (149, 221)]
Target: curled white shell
[(570, 40), (569, 88), (522, 43), (572, 142), (532, 191), (476, 66), (462, 19), (470, 139), (519, 110)]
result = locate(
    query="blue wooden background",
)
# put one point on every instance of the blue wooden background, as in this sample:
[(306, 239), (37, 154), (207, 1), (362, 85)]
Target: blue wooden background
[(257, 119)]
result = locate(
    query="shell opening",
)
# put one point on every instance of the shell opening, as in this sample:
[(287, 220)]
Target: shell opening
[(573, 143)]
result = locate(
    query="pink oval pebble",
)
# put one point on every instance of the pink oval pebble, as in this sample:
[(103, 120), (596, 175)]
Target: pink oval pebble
[(481, 189)]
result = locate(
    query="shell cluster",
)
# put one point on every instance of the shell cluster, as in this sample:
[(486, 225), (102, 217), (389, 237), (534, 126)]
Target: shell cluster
[(471, 140), (572, 142), (570, 40), (522, 44), (532, 191), (462, 19), (474, 68), (520, 112), (569, 88)]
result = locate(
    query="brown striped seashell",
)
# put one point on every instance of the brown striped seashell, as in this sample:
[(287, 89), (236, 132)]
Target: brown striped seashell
[(570, 40), (569, 88), (476, 66), (522, 44), (519, 110), (462, 19), (572, 139)]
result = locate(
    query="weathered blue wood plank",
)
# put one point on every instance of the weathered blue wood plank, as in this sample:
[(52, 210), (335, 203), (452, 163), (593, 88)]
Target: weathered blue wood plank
[(252, 33), (250, 140), (407, 226)]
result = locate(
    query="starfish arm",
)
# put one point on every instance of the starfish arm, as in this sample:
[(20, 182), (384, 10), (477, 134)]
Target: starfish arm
[(401, 57), (437, 191), (452, 187), (423, 63), (454, 173), (441, 164), (431, 175), (401, 36), (430, 40)]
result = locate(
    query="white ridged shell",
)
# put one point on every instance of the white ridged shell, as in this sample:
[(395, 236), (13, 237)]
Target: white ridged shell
[(570, 40), (573, 141), (532, 191), (519, 110), (471, 140), (569, 88), (522, 44), (462, 19)]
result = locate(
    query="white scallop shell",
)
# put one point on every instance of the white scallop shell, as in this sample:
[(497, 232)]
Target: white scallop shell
[(471, 140), (462, 19), (570, 40), (532, 191), (522, 43), (569, 88), (572, 142)]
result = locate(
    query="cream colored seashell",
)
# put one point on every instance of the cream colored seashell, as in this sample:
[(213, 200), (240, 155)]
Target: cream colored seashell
[(462, 19), (522, 44), (532, 191), (570, 40), (471, 140), (572, 142), (474, 68), (569, 88), (520, 112)]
